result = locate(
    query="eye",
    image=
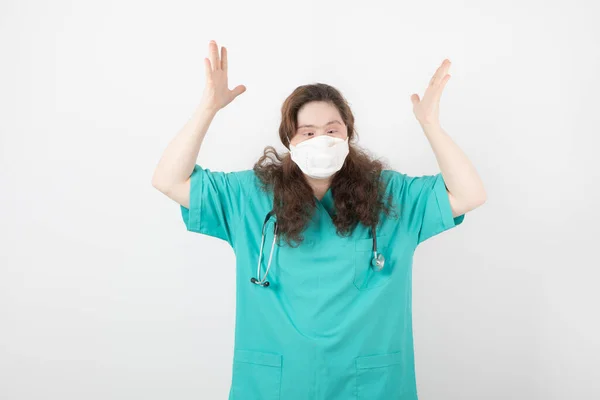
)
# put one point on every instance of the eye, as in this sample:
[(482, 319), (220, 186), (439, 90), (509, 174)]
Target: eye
[(310, 133)]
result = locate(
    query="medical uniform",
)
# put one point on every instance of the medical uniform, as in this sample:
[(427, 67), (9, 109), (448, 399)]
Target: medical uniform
[(329, 326)]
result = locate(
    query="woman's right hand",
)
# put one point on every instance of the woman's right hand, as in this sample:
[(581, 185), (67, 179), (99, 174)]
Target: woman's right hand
[(216, 93)]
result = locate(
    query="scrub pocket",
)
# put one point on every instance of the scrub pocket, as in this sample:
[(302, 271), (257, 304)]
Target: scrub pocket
[(365, 276), (256, 375), (379, 377)]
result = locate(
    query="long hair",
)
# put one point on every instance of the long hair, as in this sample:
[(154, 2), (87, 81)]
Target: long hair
[(356, 188)]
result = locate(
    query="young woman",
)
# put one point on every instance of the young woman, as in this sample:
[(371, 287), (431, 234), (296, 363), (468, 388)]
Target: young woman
[(324, 239)]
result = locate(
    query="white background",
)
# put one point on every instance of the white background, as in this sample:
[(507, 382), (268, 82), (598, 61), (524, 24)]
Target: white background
[(105, 295)]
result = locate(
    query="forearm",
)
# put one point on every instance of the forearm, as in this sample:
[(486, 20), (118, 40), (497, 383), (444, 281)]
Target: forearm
[(460, 176), (179, 158)]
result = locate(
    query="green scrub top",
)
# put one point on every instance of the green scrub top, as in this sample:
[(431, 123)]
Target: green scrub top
[(329, 326)]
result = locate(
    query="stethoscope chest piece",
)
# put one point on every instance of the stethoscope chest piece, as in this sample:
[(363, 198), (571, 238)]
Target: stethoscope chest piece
[(378, 261)]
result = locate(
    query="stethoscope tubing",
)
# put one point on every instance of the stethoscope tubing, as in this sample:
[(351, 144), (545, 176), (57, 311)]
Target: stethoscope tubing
[(378, 259)]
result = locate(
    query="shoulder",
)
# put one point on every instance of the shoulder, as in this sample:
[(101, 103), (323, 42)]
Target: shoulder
[(409, 188), (237, 180), (245, 178), (393, 180), (249, 182), (401, 181)]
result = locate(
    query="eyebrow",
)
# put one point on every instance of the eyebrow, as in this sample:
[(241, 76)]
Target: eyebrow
[(335, 121)]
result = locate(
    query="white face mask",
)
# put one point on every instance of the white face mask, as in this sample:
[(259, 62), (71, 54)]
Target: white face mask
[(320, 157)]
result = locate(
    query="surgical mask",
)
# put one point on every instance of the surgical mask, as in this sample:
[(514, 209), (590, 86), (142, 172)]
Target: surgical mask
[(320, 157)]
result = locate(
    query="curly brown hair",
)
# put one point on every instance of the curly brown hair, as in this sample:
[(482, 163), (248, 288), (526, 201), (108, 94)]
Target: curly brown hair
[(356, 188)]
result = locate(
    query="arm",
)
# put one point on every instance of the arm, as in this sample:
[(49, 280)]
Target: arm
[(463, 184), (172, 174)]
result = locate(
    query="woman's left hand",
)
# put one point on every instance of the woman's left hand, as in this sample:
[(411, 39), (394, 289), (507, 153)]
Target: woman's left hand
[(427, 109)]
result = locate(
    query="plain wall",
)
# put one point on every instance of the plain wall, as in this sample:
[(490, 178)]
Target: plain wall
[(105, 295)]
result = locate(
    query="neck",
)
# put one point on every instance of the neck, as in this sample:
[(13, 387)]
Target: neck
[(319, 186)]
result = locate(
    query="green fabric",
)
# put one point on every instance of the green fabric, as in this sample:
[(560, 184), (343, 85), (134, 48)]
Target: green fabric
[(328, 326)]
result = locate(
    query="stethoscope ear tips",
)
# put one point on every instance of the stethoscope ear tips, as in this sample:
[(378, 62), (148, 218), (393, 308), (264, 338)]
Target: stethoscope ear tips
[(254, 280)]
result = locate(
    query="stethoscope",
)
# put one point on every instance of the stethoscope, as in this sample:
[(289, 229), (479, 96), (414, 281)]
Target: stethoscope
[(377, 262)]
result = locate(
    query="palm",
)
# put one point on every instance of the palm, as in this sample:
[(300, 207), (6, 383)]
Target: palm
[(426, 110), (216, 91)]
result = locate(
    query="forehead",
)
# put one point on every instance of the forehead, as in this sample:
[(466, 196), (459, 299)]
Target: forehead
[(318, 114)]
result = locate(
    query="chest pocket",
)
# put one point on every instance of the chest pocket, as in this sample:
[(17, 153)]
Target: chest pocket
[(365, 276), (256, 375)]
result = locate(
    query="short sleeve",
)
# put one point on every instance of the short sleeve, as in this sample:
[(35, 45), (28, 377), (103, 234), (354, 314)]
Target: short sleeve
[(216, 203), (426, 201)]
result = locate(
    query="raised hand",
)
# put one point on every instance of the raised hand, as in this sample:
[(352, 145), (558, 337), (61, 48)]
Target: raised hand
[(427, 110), (216, 94)]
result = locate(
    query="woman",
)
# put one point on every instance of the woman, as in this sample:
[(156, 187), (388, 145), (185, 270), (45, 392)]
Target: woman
[(324, 238)]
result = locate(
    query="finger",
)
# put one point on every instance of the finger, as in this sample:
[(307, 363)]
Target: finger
[(444, 72), (414, 99), (210, 58), (214, 55), (207, 69), (439, 73), (223, 58), (238, 90), (436, 91), (443, 83)]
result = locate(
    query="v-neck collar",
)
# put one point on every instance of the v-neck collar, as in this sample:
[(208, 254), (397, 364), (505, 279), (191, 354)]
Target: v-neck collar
[(327, 202)]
